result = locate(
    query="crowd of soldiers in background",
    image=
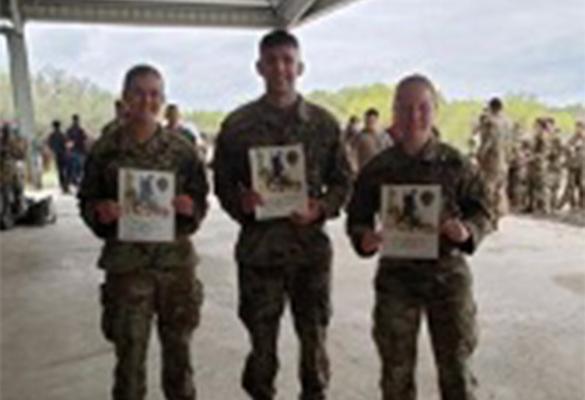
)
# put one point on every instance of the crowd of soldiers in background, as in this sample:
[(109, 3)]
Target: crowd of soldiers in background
[(529, 172), (525, 172)]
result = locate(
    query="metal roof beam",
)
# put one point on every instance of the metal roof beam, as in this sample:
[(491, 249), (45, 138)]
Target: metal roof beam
[(321, 7), (290, 12), (149, 13)]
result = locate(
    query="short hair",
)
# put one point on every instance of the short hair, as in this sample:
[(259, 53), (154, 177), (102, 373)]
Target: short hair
[(138, 71), (415, 79), (277, 38), (172, 106), (56, 123), (495, 104), (372, 112)]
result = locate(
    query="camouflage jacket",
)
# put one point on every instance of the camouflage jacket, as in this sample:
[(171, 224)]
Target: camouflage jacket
[(575, 152), (463, 193), (164, 152), (491, 154), (328, 176), (12, 150)]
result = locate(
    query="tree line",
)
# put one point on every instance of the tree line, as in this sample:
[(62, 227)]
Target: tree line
[(58, 95)]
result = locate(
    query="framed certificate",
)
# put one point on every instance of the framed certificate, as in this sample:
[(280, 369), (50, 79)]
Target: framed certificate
[(146, 197), (410, 221), (278, 175)]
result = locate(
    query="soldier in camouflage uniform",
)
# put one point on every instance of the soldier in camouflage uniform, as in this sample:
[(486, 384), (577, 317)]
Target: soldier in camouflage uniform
[(555, 169), (144, 280), (491, 159), (518, 176), (574, 192), (283, 259), (12, 150), (407, 288), (538, 183)]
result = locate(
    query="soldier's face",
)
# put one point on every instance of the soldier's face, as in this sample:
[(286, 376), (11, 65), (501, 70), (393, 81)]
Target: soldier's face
[(414, 112), (144, 98), (280, 67)]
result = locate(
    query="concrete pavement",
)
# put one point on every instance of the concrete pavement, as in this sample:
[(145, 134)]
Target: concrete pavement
[(530, 289)]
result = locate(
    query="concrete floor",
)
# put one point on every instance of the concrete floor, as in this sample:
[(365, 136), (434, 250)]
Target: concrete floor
[(529, 281)]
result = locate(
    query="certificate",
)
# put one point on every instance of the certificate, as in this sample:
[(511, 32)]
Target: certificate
[(410, 221), (146, 198), (278, 176)]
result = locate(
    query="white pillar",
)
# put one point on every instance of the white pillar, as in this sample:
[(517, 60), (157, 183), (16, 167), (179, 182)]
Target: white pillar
[(21, 88), (20, 81)]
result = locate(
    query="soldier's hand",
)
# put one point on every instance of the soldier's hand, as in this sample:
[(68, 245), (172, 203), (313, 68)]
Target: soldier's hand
[(313, 213), (183, 205), (455, 230), (107, 211), (371, 241), (250, 199)]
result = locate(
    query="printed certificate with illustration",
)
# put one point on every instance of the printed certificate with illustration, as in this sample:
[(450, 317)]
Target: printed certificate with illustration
[(146, 197), (278, 175), (410, 221)]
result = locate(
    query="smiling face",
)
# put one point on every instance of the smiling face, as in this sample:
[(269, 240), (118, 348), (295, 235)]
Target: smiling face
[(144, 97), (414, 111), (280, 66)]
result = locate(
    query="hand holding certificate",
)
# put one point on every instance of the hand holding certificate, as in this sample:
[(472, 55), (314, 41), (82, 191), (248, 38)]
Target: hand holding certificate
[(107, 211), (455, 230), (313, 213)]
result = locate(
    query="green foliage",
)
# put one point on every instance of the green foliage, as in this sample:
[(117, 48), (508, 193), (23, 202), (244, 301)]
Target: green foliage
[(58, 95), (206, 121)]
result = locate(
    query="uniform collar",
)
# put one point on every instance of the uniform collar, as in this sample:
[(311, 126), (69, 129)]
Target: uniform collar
[(127, 141), (428, 152), (300, 109)]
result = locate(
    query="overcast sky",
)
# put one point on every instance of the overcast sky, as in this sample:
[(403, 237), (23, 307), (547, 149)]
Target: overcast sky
[(469, 48)]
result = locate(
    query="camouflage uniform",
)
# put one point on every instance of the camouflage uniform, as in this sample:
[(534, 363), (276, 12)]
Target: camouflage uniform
[(574, 193), (492, 160), (278, 260), (111, 127), (12, 204), (518, 177), (366, 145), (147, 279), (407, 288), (555, 171), (538, 183)]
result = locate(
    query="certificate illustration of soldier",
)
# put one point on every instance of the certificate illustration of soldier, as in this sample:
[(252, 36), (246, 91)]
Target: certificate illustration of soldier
[(278, 176), (146, 199), (410, 221)]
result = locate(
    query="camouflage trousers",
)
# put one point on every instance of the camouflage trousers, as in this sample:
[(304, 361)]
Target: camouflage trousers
[(538, 193), (574, 192), (442, 292), (130, 303), (554, 186), (263, 293), (496, 192)]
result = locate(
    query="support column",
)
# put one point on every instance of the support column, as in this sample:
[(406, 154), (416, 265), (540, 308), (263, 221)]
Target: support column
[(21, 89), (20, 81)]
